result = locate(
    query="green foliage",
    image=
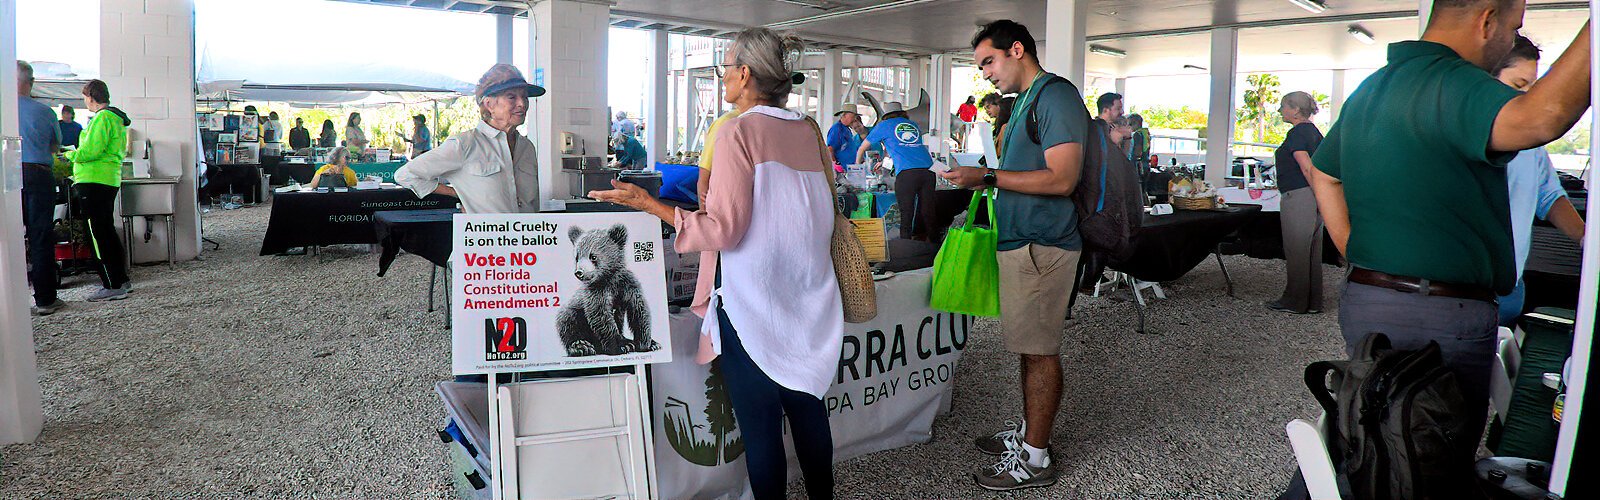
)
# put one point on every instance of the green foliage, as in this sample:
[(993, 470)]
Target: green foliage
[(719, 411), (1260, 106), (1575, 142), (1181, 118), (386, 127)]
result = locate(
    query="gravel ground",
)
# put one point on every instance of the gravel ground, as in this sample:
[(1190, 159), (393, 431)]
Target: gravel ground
[(241, 376)]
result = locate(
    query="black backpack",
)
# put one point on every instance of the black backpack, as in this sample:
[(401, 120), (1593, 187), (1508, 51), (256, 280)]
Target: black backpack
[(1395, 429), (1109, 197)]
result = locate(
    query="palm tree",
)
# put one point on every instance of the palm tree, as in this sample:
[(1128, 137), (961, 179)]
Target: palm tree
[(1259, 100)]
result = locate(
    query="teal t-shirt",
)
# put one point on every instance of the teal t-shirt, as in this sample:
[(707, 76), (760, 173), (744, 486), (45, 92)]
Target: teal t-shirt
[(1044, 220), (1427, 199)]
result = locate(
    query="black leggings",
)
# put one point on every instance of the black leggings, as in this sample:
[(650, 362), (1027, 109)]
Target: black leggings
[(99, 203), (913, 192), (759, 405)]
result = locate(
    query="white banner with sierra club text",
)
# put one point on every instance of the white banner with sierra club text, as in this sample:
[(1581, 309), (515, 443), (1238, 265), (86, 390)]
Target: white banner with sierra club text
[(895, 375)]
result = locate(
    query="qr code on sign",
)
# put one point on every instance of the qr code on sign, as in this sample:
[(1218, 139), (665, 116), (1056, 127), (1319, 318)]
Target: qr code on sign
[(644, 251)]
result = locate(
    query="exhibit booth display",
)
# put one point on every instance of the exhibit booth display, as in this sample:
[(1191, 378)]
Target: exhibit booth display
[(553, 293)]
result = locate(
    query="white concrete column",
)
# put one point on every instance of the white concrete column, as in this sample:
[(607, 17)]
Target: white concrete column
[(1066, 28), (570, 50), (1121, 85), (1336, 99), (916, 79), (147, 61), (655, 114), (939, 109), (832, 88), (1424, 12), (1219, 117), (502, 38), (21, 418)]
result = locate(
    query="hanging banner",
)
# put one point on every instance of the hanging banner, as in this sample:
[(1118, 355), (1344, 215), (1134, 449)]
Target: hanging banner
[(536, 292), (894, 376)]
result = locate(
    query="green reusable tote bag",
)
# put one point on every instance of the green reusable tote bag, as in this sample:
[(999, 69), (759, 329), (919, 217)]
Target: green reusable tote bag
[(966, 274)]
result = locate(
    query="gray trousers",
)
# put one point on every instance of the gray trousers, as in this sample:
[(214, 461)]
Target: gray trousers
[(1302, 251), (1465, 330)]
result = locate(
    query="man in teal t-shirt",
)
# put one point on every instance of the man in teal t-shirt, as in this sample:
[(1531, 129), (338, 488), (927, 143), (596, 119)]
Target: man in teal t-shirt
[(1411, 182), (1039, 243)]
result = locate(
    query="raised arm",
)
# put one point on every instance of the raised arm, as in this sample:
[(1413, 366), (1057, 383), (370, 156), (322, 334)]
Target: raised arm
[(1551, 107)]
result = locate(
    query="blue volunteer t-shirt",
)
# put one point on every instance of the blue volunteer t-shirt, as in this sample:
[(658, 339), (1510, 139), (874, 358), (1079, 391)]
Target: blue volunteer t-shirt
[(844, 143), (902, 140)]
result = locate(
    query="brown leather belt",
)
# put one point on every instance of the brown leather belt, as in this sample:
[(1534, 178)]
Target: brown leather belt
[(1408, 284)]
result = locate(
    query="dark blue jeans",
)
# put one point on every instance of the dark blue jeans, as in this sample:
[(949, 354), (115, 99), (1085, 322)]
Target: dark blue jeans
[(38, 217), (759, 405)]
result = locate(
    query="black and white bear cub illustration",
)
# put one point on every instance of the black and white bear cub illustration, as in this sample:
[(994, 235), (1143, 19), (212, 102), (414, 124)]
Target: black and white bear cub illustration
[(592, 321)]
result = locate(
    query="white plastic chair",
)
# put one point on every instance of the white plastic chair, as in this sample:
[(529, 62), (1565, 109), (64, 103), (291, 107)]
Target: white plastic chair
[(1311, 452), (1508, 358)]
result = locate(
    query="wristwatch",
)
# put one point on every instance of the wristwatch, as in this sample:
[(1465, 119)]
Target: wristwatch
[(988, 177)]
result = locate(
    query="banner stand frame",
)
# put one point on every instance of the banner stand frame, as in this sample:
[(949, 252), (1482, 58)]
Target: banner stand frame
[(503, 482)]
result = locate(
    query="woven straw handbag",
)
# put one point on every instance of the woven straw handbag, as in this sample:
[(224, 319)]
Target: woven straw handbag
[(856, 288)]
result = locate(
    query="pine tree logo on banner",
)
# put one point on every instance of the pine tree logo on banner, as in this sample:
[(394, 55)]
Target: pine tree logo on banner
[(505, 339), (712, 443)]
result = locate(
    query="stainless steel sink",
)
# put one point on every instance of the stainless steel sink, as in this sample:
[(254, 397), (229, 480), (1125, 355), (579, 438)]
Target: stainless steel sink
[(149, 196)]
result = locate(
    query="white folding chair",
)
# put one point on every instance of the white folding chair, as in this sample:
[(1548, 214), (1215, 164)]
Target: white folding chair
[(1311, 452)]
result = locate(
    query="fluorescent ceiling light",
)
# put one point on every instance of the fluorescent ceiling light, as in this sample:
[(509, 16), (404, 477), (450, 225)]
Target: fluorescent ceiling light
[(1361, 34), (1107, 51), (1315, 6)]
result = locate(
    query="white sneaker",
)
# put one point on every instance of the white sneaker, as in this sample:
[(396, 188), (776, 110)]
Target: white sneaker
[(1013, 472), (1006, 440)]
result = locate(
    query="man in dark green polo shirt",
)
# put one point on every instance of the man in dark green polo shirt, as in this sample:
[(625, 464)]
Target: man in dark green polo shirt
[(1411, 183), (1039, 243)]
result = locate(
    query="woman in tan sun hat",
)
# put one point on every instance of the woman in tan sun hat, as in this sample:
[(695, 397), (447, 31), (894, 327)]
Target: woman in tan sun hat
[(491, 168)]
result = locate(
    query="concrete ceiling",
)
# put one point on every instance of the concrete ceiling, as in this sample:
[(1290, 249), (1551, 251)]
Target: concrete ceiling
[(1160, 36), (1302, 47)]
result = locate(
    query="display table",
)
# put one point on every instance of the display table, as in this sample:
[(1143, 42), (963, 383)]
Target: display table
[(234, 178), (282, 172), (301, 219), (1168, 246), (424, 233), (896, 374)]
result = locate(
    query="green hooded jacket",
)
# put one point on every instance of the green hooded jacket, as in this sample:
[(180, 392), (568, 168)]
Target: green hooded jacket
[(101, 149)]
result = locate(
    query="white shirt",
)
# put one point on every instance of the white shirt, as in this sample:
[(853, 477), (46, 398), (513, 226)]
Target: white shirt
[(479, 165), (778, 284)]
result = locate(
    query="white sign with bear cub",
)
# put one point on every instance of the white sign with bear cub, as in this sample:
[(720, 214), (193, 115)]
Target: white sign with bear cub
[(536, 292)]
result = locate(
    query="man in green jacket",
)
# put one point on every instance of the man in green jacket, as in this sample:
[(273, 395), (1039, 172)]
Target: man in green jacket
[(97, 176)]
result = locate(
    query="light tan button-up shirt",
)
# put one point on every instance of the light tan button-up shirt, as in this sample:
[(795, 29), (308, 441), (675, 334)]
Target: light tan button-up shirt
[(487, 175)]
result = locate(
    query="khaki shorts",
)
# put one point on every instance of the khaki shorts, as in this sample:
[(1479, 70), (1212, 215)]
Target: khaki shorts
[(1035, 285)]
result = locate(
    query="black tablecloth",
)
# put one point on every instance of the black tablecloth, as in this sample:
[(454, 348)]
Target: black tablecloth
[(241, 179), (302, 219), (425, 233), (1555, 264), (282, 172), (1168, 246), (1261, 237)]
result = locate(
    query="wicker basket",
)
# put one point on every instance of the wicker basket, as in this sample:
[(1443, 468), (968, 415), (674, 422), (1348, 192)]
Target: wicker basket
[(1187, 203)]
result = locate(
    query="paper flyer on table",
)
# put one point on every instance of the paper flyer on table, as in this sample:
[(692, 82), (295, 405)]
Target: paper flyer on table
[(536, 292)]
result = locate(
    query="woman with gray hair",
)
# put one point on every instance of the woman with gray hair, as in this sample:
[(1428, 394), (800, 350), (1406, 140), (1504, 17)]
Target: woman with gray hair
[(1302, 225), (767, 289), (491, 168)]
